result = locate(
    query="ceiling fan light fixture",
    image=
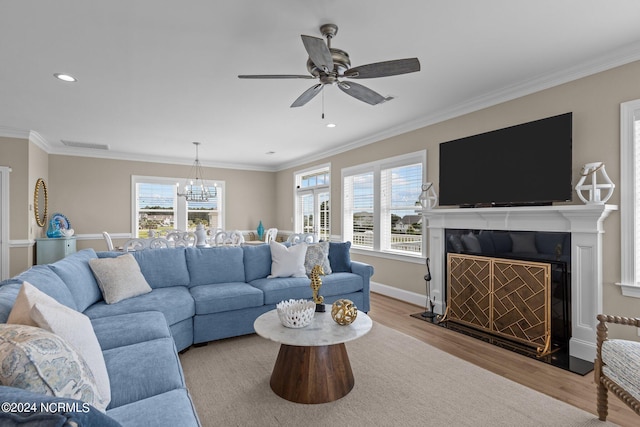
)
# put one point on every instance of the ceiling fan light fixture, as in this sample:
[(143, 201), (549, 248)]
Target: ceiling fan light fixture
[(65, 77)]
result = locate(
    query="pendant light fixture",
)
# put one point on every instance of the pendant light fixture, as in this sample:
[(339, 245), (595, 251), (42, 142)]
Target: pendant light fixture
[(195, 188)]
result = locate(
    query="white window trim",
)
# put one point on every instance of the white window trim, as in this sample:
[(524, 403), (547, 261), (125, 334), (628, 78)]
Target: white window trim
[(629, 251), (311, 190), (180, 209), (377, 167)]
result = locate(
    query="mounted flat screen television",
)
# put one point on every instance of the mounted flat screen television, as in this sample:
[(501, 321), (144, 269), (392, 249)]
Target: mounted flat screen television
[(526, 164)]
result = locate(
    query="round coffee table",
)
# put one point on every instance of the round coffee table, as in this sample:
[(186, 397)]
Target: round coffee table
[(312, 365)]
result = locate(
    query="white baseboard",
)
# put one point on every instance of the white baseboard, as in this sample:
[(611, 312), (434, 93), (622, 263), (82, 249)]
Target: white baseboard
[(399, 294)]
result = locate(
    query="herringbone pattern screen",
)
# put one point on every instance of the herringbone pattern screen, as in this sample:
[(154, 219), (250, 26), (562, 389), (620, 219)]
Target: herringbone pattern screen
[(506, 297)]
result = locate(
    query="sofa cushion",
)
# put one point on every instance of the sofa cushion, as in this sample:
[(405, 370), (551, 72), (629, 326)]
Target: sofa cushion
[(287, 261), (215, 265), (119, 278), (38, 360), (116, 331), (76, 329), (43, 278), (257, 262), (226, 297), (142, 370), (341, 283), (486, 243), (74, 412), (175, 303), (173, 408), (339, 257), (26, 299), (163, 267), (471, 243), (75, 272), (501, 241), (8, 295), (317, 254), (284, 288)]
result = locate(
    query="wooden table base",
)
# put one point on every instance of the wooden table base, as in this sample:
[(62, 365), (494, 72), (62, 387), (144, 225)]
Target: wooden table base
[(316, 374)]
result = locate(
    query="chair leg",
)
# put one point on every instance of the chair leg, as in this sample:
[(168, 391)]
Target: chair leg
[(602, 401)]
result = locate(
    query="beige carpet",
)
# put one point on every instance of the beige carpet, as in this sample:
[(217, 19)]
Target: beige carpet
[(400, 381)]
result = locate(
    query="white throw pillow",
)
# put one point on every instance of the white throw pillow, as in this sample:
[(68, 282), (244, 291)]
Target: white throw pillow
[(76, 329), (119, 278), (28, 295), (287, 262)]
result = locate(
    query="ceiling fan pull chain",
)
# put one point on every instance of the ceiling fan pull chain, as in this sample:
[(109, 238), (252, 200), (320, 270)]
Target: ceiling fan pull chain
[(322, 105)]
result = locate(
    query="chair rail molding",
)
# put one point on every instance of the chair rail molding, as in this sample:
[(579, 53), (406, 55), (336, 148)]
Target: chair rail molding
[(584, 222)]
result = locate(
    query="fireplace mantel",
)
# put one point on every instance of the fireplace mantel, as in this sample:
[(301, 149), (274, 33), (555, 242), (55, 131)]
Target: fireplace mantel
[(584, 222)]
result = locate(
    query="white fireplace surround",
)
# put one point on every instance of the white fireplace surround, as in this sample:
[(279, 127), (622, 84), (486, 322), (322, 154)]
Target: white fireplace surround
[(584, 222)]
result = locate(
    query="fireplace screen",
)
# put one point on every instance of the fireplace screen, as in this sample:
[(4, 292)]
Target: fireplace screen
[(505, 297)]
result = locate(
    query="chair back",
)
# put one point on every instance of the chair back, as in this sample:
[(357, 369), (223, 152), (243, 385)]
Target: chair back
[(228, 238), (181, 238), (296, 238), (107, 238), (270, 235), (135, 244)]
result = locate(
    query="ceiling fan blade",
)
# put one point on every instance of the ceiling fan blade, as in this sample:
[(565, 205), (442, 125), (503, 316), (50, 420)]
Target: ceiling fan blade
[(384, 69), (307, 95), (318, 52), (275, 76), (361, 93)]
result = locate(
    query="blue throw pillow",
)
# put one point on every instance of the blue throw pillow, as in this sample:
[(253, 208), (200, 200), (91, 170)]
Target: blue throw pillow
[(339, 257)]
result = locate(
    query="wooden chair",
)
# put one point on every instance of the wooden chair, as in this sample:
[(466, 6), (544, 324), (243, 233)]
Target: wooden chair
[(617, 366), (107, 238)]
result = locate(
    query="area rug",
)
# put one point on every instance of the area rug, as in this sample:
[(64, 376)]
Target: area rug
[(399, 380)]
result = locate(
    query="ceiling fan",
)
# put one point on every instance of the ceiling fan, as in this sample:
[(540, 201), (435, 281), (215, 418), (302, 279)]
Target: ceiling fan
[(329, 65)]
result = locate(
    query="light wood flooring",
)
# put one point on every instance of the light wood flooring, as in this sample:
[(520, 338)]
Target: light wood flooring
[(572, 388)]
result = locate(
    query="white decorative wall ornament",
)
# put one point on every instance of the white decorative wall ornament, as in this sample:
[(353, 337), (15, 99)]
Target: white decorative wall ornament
[(597, 193), (428, 198)]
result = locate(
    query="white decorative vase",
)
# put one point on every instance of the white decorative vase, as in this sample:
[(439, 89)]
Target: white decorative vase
[(597, 193), (201, 236)]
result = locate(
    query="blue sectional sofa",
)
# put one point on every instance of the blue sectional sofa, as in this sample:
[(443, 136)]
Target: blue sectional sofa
[(197, 295)]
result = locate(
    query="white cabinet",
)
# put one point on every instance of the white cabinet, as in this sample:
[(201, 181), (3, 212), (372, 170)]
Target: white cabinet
[(52, 250)]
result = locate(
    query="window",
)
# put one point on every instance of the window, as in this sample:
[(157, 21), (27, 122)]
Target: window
[(630, 197), (312, 196), (379, 204), (157, 207)]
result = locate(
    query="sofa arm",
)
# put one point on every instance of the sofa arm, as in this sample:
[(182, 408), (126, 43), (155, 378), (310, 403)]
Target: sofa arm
[(365, 271)]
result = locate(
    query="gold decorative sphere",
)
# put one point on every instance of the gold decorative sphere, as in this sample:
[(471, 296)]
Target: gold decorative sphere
[(344, 312)]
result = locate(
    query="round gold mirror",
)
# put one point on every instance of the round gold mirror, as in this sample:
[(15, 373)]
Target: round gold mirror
[(40, 202)]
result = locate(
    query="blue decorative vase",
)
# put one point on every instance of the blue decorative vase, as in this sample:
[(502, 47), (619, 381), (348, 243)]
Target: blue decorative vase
[(54, 229), (260, 231)]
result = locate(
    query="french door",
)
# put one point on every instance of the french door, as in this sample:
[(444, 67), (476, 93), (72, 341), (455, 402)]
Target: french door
[(313, 214)]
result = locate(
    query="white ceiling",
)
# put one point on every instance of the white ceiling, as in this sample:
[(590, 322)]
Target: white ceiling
[(155, 75)]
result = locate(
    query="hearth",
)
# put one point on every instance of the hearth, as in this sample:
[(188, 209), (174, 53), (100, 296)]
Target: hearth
[(582, 223)]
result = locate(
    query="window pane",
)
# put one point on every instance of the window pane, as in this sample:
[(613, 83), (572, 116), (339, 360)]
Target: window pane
[(362, 209), (156, 208), (637, 196), (404, 224), (204, 212)]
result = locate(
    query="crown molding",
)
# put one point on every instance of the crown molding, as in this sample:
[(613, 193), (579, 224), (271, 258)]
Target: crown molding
[(9, 132), (613, 59)]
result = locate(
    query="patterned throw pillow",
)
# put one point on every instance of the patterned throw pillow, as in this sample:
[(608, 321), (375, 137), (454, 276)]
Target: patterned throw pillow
[(317, 254), (37, 360)]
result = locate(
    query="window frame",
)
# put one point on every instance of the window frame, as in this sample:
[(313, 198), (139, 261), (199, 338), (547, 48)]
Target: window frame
[(630, 246), (314, 191), (376, 167), (180, 204)]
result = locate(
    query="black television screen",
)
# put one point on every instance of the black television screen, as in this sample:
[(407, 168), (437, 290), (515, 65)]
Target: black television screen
[(524, 164)]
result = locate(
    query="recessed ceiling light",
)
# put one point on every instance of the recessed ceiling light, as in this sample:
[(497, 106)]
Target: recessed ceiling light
[(331, 125), (65, 77)]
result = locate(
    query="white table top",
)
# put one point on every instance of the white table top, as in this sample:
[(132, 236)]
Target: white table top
[(323, 330)]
